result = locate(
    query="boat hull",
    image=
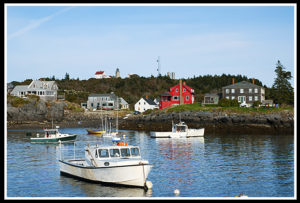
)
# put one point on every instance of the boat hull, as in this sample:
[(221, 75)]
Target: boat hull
[(189, 133), (131, 175), (95, 131), (54, 140)]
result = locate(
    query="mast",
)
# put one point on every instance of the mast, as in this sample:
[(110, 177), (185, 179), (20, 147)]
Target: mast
[(117, 114)]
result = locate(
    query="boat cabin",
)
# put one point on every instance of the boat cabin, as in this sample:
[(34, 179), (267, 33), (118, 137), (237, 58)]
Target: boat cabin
[(110, 152), (180, 127), (50, 132)]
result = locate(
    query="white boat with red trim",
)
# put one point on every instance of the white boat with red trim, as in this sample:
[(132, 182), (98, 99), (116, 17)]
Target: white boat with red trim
[(116, 164)]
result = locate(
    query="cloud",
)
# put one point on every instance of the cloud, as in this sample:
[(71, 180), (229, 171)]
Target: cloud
[(36, 23)]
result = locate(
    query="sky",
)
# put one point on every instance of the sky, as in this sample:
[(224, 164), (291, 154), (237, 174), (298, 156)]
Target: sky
[(191, 40)]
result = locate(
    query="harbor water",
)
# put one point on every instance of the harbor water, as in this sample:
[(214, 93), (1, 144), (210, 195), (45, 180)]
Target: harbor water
[(203, 167)]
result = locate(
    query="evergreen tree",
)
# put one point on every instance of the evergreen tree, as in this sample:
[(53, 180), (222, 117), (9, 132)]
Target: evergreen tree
[(282, 90), (67, 76)]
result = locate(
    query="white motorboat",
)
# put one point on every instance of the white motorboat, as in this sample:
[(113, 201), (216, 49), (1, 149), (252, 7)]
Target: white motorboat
[(116, 164), (53, 136), (179, 130)]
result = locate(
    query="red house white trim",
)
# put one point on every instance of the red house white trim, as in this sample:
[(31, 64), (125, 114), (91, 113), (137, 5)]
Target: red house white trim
[(179, 94)]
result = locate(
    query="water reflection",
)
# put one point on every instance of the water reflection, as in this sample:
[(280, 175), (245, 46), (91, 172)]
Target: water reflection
[(210, 166), (88, 189)]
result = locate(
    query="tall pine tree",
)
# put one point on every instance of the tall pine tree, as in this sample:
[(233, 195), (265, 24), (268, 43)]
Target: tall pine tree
[(282, 90)]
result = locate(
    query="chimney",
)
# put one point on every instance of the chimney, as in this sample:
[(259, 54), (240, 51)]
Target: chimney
[(146, 96), (184, 83), (180, 93), (253, 81), (233, 81)]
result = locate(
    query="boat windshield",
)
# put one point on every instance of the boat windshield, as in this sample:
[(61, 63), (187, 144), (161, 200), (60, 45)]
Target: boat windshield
[(181, 128), (103, 153), (135, 151), (114, 152), (50, 132), (125, 152)]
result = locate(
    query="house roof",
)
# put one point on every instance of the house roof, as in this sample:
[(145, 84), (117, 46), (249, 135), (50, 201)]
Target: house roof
[(243, 84), (99, 73), (20, 88), (122, 101), (38, 85), (102, 95), (165, 94), (211, 95), (149, 101)]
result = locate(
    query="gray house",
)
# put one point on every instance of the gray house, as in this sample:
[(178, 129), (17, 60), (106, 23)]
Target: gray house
[(46, 90), (106, 102), (211, 98), (244, 92)]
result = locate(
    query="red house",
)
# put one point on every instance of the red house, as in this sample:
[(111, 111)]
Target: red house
[(179, 94)]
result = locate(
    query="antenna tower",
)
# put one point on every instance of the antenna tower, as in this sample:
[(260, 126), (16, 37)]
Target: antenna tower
[(158, 66)]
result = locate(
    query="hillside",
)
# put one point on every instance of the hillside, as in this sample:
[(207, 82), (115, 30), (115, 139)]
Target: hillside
[(132, 89)]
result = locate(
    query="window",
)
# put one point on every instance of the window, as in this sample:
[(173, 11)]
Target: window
[(227, 91), (227, 97), (256, 98), (241, 90), (125, 152), (176, 89), (114, 152), (103, 153), (232, 90), (175, 98), (250, 90), (183, 89), (255, 90), (187, 98), (250, 98), (233, 97), (135, 151)]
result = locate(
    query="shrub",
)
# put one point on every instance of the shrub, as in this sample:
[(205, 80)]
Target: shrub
[(256, 103), (16, 101), (228, 102)]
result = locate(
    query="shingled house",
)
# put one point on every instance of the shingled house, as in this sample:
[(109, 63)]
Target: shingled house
[(244, 92), (46, 90)]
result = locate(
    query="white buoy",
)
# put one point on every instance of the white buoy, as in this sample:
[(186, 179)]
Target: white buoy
[(148, 185), (176, 192)]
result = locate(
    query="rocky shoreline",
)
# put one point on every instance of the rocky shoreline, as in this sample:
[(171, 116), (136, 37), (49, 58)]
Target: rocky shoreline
[(213, 122)]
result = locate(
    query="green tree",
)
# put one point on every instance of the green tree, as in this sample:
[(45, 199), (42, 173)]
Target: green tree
[(67, 76), (282, 90)]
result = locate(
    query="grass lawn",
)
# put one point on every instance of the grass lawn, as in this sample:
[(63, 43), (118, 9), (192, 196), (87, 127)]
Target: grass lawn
[(239, 110)]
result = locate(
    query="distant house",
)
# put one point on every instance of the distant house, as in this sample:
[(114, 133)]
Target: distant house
[(10, 87), (244, 92), (123, 104), (101, 75), (106, 102), (211, 98), (179, 94), (46, 90), (131, 75), (144, 104)]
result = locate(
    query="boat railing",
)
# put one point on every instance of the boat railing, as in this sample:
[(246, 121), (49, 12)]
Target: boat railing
[(75, 149), (67, 151)]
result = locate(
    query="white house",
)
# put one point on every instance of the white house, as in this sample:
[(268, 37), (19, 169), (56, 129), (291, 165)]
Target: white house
[(144, 104), (101, 75), (46, 90)]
